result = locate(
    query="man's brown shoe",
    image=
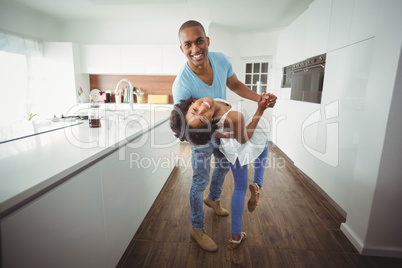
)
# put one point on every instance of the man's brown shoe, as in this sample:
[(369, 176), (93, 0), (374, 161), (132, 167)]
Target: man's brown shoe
[(203, 240), (216, 206)]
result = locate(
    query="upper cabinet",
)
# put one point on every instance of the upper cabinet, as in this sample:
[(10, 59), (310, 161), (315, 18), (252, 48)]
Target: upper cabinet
[(100, 59), (364, 20), (141, 59), (327, 25), (339, 28), (131, 59), (317, 27), (291, 42), (172, 59), (352, 21)]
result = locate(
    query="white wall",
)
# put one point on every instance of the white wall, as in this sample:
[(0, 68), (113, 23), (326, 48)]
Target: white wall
[(17, 19), (136, 32), (340, 142), (249, 45), (244, 45), (60, 82), (121, 33), (373, 223), (385, 218)]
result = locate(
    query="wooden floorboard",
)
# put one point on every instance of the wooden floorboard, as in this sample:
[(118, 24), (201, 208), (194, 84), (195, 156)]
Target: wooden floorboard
[(293, 226)]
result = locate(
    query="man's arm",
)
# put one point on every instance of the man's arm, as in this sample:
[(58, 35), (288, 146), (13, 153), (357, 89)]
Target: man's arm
[(234, 84)]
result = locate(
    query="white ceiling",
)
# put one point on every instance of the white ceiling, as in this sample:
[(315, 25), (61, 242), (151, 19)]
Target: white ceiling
[(233, 15)]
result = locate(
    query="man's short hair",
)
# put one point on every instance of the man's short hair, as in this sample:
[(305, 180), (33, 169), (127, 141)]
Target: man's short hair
[(191, 23)]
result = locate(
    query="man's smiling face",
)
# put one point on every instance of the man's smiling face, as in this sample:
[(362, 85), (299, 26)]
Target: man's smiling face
[(194, 44)]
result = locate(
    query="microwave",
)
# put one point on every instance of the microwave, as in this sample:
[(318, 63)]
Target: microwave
[(306, 79)]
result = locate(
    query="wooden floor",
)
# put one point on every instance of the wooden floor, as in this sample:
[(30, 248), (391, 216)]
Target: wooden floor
[(293, 226)]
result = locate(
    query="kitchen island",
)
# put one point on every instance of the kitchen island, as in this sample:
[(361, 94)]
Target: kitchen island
[(76, 196)]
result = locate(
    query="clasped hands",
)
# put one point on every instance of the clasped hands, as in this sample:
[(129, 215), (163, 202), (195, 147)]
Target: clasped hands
[(267, 99)]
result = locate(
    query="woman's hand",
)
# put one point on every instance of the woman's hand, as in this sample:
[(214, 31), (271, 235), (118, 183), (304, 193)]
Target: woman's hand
[(270, 99), (262, 102)]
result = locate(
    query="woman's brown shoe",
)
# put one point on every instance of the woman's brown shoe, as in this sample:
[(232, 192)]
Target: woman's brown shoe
[(233, 244), (255, 195)]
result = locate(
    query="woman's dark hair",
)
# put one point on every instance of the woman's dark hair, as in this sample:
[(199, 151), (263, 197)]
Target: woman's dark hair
[(183, 131)]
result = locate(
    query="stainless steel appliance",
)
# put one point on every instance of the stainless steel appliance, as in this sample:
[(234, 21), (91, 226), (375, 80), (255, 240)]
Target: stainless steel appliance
[(306, 79)]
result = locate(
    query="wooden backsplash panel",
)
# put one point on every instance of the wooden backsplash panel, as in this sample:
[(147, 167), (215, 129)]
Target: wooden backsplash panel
[(149, 84)]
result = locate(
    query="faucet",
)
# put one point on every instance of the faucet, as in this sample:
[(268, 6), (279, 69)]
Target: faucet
[(139, 93), (131, 91)]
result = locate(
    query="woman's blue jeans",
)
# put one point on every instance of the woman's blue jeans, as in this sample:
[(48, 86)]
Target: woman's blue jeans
[(240, 175), (201, 163)]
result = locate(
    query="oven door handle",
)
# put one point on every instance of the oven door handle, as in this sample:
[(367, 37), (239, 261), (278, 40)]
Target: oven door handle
[(314, 66), (298, 70), (307, 68)]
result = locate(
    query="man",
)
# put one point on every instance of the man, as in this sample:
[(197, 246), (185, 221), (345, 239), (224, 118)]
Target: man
[(206, 75)]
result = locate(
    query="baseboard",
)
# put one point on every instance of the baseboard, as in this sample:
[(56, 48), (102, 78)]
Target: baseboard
[(390, 252), (324, 194), (383, 252), (311, 181), (357, 243)]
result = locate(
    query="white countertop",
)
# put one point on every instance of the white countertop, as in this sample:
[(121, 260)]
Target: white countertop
[(32, 164)]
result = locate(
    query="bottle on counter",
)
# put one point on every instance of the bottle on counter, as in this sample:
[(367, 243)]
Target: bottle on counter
[(108, 96), (94, 115)]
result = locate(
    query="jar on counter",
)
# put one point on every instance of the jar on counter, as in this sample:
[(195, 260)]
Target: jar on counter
[(94, 114)]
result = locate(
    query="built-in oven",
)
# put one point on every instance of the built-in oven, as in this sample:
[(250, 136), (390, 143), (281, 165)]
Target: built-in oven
[(306, 79)]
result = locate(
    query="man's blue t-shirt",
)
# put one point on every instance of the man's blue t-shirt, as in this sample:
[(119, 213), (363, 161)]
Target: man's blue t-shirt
[(188, 85)]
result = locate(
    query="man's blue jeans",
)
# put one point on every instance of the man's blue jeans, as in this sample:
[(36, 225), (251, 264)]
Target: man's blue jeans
[(201, 163)]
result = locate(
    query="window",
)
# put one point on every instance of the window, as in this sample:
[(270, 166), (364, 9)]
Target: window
[(20, 77), (256, 74), (13, 84)]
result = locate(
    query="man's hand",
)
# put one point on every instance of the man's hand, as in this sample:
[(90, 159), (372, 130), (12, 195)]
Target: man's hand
[(262, 102), (270, 99)]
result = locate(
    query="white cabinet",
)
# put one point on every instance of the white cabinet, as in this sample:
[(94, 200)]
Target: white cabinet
[(299, 32), (341, 19), (365, 19), (100, 59), (63, 228), (307, 36), (291, 42), (132, 178), (172, 59), (141, 59), (122, 203), (89, 220), (317, 27), (328, 25), (156, 163), (131, 59), (285, 44)]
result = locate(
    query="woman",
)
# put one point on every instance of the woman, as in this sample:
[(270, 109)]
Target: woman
[(243, 142)]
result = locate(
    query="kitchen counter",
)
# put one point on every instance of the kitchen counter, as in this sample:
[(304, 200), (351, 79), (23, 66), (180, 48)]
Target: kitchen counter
[(32, 166)]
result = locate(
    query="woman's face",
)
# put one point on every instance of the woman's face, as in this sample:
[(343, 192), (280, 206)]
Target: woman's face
[(200, 112)]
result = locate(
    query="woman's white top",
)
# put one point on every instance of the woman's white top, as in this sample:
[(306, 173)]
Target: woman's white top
[(232, 149)]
